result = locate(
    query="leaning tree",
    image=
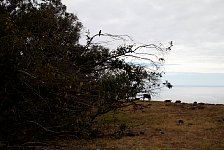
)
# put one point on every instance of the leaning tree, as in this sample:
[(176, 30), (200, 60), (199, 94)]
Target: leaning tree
[(51, 84)]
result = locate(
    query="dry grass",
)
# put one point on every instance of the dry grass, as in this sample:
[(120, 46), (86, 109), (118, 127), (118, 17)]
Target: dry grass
[(202, 127)]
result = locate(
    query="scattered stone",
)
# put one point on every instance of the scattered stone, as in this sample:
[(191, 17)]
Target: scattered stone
[(219, 120), (180, 122), (201, 103), (195, 103), (219, 104), (132, 133), (211, 104), (178, 101), (167, 101), (142, 132), (160, 131)]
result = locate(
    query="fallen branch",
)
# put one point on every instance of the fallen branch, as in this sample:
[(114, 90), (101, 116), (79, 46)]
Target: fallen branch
[(45, 129)]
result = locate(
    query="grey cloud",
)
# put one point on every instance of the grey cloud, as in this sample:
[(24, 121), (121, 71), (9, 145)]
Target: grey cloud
[(195, 26)]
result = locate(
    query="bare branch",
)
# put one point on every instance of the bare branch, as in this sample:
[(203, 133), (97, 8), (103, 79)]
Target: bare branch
[(143, 58), (26, 73), (39, 125)]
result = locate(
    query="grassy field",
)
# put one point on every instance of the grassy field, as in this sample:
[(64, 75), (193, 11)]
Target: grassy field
[(158, 125)]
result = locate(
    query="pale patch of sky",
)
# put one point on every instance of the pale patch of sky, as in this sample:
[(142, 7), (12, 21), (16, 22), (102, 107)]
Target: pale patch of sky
[(196, 28)]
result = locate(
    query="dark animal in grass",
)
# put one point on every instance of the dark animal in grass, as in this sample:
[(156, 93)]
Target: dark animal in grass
[(148, 96)]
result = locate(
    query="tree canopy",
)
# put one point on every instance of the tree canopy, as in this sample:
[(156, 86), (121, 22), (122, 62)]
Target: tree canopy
[(50, 83)]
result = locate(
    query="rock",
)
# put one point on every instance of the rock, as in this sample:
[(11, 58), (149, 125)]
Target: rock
[(221, 120), (211, 104), (219, 104), (160, 131), (142, 132), (180, 122), (167, 101), (195, 103), (178, 101), (190, 124), (132, 133)]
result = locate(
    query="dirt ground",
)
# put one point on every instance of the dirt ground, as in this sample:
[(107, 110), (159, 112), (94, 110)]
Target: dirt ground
[(156, 126)]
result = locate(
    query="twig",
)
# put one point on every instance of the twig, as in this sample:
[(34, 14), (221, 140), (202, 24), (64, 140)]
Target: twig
[(35, 92), (45, 129), (35, 143), (26, 73)]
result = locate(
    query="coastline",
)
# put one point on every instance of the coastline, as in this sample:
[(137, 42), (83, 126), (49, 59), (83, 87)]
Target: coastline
[(190, 94)]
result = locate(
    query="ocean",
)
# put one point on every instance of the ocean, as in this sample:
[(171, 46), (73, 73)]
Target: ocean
[(190, 94)]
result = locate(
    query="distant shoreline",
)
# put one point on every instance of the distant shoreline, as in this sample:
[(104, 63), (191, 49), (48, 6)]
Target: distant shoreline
[(198, 86), (173, 102), (190, 94)]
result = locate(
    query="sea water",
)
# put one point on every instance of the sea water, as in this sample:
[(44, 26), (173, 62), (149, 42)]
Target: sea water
[(190, 94)]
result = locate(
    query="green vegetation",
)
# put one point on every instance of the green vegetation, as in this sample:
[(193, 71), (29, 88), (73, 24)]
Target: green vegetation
[(52, 85)]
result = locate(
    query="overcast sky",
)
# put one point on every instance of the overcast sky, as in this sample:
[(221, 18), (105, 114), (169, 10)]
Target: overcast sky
[(196, 28)]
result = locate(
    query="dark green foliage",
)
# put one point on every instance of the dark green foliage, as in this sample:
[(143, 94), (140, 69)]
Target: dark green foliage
[(50, 84)]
